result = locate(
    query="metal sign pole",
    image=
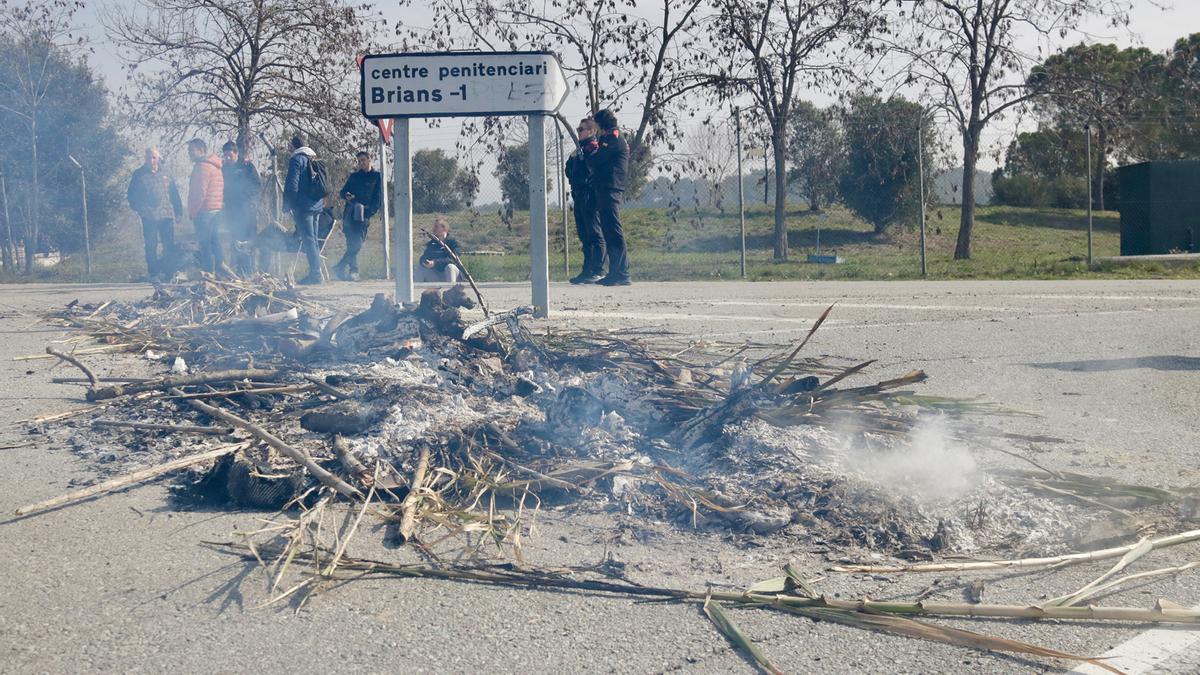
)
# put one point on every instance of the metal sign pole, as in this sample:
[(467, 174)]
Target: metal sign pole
[(539, 251), (402, 177), (737, 115), (1087, 129), (383, 193)]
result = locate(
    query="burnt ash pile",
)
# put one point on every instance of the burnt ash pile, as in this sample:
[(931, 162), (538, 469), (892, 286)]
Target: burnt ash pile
[(461, 432)]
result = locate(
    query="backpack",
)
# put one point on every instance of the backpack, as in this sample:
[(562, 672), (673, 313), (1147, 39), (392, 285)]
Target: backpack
[(317, 186)]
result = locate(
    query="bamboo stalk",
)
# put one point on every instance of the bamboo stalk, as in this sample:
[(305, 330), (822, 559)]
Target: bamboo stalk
[(104, 349), (1023, 563), (408, 521), (82, 380), (178, 428), (299, 456), (1165, 613), (184, 381), (129, 479)]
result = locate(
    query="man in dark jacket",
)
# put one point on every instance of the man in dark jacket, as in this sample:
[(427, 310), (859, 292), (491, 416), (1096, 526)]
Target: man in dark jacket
[(304, 208), (154, 196), (609, 164), (363, 193), (435, 264), (242, 189), (591, 240)]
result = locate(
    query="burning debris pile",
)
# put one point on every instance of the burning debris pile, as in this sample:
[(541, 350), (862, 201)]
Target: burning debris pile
[(314, 399), (455, 433)]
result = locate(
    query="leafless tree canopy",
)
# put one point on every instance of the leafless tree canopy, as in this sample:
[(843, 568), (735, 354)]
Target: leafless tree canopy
[(626, 58), (767, 48), (243, 66), (972, 57)]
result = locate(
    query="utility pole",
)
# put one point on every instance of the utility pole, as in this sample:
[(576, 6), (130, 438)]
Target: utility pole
[(383, 192), (921, 179), (737, 116), (87, 236), (1087, 129)]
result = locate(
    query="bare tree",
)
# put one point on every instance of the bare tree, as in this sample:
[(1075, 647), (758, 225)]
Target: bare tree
[(35, 31), (618, 51), (710, 152), (973, 55), (772, 46), (238, 66)]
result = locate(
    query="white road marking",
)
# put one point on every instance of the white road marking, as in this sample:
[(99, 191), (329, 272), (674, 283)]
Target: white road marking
[(863, 305), (683, 316), (830, 324), (1146, 652)]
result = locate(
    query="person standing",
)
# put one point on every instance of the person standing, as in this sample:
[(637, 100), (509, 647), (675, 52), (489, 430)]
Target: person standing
[(154, 196), (609, 164), (299, 198), (242, 189), (363, 193), (206, 198), (579, 176), (436, 265)]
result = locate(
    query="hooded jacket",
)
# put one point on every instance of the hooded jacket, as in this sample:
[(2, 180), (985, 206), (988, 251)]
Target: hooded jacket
[(294, 199), (206, 189)]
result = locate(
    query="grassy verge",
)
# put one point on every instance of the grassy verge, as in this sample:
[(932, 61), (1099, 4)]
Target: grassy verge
[(1008, 243)]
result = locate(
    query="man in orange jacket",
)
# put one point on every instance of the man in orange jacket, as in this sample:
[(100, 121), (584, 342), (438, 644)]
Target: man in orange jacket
[(206, 198)]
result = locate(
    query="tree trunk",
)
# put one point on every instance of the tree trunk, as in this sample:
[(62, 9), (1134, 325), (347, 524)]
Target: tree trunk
[(1101, 164), (962, 250), (243, 135), (778, 143), (31, 228)]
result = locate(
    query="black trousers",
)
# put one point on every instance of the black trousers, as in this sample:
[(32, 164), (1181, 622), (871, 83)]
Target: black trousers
[(156, 231), (356, 234), (591, 239), (608, 213)]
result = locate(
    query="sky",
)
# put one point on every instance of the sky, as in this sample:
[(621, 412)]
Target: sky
[(1153, 24)]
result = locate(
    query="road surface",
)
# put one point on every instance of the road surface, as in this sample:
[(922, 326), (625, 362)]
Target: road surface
[(120, 583)]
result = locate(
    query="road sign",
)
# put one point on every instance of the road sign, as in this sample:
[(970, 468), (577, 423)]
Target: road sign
[(453, 84)]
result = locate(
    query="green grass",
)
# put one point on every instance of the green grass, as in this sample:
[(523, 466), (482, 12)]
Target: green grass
[(690, 244)]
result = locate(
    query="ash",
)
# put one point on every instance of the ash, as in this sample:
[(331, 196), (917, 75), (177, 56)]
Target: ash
[(778, 447)]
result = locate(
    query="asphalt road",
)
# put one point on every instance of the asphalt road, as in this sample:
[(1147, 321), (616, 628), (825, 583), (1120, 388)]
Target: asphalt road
[(120, 583)]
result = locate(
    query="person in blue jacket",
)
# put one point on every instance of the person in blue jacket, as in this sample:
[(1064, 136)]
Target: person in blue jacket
[(298, 199)]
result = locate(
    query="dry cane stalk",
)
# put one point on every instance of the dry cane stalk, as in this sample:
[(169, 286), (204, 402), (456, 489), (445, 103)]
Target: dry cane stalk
[(408, 521), (130, 479), (1024, 563), (184, 381)]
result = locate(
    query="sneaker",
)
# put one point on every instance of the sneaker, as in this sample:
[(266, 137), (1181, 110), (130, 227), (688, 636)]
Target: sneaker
[(587, 279), (353, 276), (615, 281), (310, 280), (342, 273)]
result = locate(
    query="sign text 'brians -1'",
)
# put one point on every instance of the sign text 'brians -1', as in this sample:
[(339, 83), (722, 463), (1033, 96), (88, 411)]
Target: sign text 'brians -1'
[(462, 83)]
